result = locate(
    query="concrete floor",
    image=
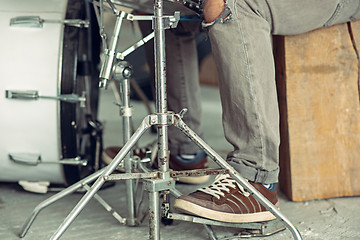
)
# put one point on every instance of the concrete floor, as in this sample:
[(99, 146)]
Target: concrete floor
[(321, 219)]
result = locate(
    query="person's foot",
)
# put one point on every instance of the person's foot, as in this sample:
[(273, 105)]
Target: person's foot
[(225, 200), (177, 163), (109, 154), (190, 162)]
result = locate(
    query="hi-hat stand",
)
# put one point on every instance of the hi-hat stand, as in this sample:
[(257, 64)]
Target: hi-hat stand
[(161, 181)]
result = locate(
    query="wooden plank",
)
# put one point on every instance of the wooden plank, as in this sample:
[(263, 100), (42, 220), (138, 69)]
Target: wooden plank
[(284, 155), (323, 114)]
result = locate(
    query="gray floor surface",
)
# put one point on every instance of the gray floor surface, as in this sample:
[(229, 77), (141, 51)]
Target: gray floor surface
[(319, 219)]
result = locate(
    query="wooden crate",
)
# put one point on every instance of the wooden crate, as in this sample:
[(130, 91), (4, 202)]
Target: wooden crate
[(318, 88)]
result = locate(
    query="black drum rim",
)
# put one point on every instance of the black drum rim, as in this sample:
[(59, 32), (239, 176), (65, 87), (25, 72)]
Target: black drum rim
[(72, 52)]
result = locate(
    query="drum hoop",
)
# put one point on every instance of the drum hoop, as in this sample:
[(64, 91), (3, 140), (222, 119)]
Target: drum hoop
[(68, 84)]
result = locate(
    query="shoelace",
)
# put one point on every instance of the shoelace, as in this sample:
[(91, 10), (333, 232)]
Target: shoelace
[(223, 183)]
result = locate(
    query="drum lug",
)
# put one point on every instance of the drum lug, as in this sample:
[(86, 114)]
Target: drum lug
[(27, 21), (22, 94), (25, 158), (34, 159)]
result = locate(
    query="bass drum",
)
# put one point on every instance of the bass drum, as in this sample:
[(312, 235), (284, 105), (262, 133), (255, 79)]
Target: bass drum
[(49, 91)]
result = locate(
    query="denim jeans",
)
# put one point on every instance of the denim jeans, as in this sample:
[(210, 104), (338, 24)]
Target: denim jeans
[(182, 75), (242, 49)]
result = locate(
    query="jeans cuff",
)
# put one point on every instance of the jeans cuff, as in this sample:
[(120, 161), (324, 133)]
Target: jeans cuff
[(255, 175)]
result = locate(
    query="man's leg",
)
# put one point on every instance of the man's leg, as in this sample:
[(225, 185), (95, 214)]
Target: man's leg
[(242, 49), (243, 53)]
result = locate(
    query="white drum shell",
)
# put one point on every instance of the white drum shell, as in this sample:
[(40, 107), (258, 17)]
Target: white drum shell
[(30, 59)]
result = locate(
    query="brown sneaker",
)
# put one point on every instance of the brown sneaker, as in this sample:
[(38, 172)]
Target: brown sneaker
[(109, 153), (199, 161), (227, 201), (176, 165)]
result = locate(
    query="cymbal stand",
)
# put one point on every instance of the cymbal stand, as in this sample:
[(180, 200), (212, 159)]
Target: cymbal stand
[(163, 179)]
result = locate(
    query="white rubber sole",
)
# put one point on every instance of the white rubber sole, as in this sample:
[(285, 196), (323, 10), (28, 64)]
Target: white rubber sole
[(106, 159), (194, 180), (193, 209)]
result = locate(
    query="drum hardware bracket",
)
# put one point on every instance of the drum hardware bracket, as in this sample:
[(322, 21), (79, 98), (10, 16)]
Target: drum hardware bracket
[(34, 95), (33, 159), (38, 22), (169, 21), (110, 53), (198, 172), (125, 176), (96, 130), (123, 71), (112, 7), (121, 56), (125, 111)]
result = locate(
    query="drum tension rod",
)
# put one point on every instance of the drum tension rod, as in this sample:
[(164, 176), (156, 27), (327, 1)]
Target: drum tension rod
[(34, 95)]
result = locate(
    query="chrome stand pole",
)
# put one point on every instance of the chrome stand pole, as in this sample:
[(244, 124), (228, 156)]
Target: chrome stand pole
[(161, 111), (160, 81), (122, 73), (131, 219), (154, 217)]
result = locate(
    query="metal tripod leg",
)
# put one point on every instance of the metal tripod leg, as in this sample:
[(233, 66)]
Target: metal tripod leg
[(56, 197), (146, 123), (179, 123)]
